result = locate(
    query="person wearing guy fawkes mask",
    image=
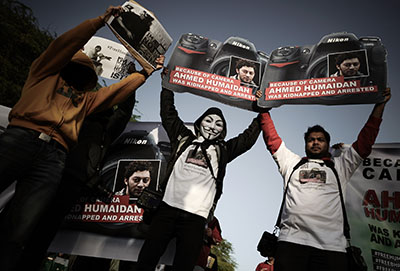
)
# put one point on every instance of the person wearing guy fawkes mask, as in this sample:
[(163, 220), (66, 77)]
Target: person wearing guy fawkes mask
[(194, 182)]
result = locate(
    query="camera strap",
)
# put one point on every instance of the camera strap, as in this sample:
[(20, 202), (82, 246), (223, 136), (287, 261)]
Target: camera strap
[(300, 163), (346, 226), (214, 206)]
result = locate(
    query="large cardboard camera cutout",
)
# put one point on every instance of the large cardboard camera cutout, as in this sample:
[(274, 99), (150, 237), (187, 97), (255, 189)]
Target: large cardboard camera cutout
[(145, 142), (207, 68), (340, 69)]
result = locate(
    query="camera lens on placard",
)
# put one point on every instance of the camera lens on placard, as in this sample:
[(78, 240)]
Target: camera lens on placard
[(318, 69), (221, 66)]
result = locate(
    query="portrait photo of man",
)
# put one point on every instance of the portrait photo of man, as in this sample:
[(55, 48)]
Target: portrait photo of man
[(136, 175), (245, 70), (348, 64), (96, 57), (132, 24)]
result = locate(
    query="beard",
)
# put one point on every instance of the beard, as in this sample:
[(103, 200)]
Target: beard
[(319, 155)]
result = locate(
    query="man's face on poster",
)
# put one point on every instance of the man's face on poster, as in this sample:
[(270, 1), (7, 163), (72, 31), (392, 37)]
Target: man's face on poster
[(137, 182), (246, 74), (349, 67)]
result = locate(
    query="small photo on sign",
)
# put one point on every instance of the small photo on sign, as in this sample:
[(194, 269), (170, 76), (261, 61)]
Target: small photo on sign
[(245, 70), (348, 64), (110, 59), (133, 176)]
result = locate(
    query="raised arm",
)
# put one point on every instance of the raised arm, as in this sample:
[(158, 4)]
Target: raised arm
[(116, 93), (244, 141), (271, 138), (366, 137), (171, 122), (61, 50)]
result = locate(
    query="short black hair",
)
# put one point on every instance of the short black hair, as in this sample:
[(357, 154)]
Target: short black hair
[(317, 128), (134, 166), (342, 57), (245, 63)]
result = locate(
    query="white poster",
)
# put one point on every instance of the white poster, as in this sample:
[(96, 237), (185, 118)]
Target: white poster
[(110, 59), (373, 208)]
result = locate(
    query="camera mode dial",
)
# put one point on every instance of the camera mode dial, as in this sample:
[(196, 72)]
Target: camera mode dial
[(284, 54), (193, 38), (194, 42)]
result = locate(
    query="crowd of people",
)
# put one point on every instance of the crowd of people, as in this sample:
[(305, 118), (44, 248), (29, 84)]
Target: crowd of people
[(59, 131)]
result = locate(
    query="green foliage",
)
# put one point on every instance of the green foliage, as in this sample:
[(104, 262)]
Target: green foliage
[(224, 252), (22, 42)]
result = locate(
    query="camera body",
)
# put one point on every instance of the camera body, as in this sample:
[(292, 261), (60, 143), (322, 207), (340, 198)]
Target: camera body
[(200, 53), (212, 56), (307, 62)]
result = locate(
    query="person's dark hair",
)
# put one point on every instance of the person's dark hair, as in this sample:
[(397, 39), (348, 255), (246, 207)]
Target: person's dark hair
[(79, 76), (342, 57), (315, 129), (245, 63), (134, 166)]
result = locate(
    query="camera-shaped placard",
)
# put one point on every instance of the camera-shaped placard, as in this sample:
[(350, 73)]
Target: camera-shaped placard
[(340, 69), (136, 161), (229, 72)]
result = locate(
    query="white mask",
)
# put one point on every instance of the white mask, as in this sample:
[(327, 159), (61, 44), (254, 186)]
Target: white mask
[(211, 126)]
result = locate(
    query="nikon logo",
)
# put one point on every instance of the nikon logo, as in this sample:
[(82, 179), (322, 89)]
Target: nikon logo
[(332, 40), (135, 141), (241, 45)]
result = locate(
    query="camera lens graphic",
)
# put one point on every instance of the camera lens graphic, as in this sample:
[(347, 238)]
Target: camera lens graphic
[(318, 69), (221, 66)]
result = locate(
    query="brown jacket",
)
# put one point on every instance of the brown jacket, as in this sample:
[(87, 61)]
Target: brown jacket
[(48, 105)]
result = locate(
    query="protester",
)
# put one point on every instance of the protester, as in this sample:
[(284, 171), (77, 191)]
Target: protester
[(311, 230), (212, 237), (44, 125), (194, 173), (80, 177), (267, 265)]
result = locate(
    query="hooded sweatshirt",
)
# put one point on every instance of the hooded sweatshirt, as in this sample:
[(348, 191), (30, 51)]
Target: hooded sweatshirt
[(190, 185), (49, 105)]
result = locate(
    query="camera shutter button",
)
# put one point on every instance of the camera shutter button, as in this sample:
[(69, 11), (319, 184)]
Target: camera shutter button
[(213, 45)]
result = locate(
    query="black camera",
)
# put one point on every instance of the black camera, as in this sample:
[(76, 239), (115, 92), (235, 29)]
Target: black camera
[(318, 61), (214, 57), (200, 53)]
